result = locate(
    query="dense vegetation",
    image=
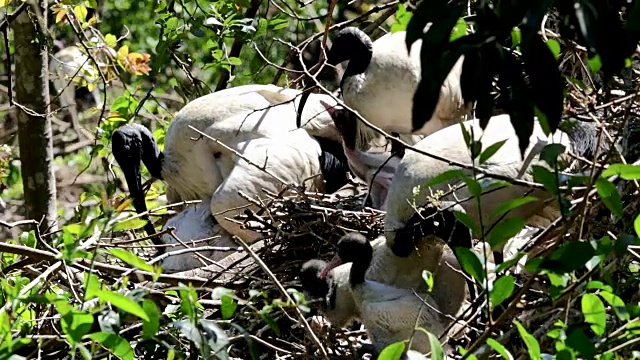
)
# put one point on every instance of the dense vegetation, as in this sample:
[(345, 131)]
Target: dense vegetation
[(89, 289)]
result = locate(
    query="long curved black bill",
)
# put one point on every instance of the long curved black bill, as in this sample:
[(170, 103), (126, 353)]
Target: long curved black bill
[(303, 100), (126, 145)]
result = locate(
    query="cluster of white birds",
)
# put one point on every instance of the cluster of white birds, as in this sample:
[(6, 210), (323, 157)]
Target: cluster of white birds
[(252, 128), (249, 129), (379, 83)]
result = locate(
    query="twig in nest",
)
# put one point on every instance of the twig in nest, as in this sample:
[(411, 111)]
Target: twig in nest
[(284, 292)]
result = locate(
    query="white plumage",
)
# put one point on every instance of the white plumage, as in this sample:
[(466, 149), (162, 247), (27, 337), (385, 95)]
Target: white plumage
[(416, 170), (192, 224), (384, 300), (258, 122), (380, 82), (195, 169)]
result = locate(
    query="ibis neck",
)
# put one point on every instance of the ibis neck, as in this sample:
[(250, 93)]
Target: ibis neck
[(333, 164), (359, 60), (360, 266)]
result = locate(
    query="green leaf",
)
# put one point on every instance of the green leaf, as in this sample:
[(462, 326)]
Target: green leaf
[(558, 280), (532, 344), (132, 259), (470, 263), (565, 354), (609, 195), (228, 307), (277, 24), (499, 349), (437, 55), (625, 171), (74, 323), (579, 341), (502, 289), (546, 178), (402, 19), (569, 257), (392, 352), (427, 276), (595, 284), (120, 301), (509, 263), (111, 40), (235, 61), (475, 147), (616, 304), (474, 186), (594, 313), (172, 23), (271, 322), (490, 150), (467, 220), (554, 46), (92, 282), (510, 205), (594, 63), (516, 37), (437, 353), (445, 176), (131, 224), (521, 104), (550, 153), (636, 225), (505, 230), (150, 328), (459, 30), (114, 343), (80, 12)]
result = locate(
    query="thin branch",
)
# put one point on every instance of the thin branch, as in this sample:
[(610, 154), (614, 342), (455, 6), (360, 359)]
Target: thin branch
[(284, 292), (236, 48)]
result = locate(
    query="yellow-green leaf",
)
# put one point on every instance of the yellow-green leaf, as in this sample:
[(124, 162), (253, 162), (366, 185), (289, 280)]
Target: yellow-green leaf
[(392, 352), (4, 3), (111, 40), (114, 343), (437, 353), (532, 344), (502, 289), (80, 12), (499, 348), (130, 224), (123, 52), (132, 259), (625, 171), (122, 302), (594, 313), (554, 46), (150, 328)]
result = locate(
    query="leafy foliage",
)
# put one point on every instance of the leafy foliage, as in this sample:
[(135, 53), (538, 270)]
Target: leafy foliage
[(529, 79)]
